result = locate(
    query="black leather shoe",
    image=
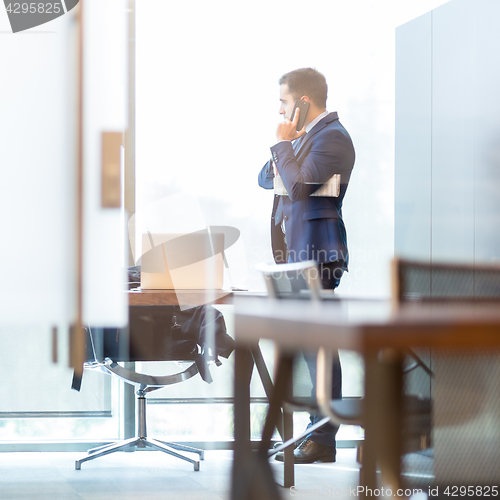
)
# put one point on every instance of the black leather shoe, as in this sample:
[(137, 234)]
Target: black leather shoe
[(309, 451)]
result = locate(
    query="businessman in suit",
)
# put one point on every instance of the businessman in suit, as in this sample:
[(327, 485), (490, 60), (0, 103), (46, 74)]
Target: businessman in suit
[(305, 227)]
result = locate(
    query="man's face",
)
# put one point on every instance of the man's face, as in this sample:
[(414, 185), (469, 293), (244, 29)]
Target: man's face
[(287, 101)]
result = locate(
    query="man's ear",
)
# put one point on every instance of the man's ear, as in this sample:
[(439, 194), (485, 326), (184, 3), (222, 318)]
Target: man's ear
[(305, 98)]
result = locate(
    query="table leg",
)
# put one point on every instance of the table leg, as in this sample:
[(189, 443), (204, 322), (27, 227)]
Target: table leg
[(284, 371), (289, 460), (282, 389), (267, 383), (284, 422), (383, 422), (243, 366), (252, 477)]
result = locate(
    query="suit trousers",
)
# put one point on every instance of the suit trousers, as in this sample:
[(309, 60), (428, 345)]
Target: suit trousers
[(331, 274)]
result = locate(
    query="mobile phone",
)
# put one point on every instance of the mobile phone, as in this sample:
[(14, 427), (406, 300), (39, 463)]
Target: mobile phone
[(304, 108)]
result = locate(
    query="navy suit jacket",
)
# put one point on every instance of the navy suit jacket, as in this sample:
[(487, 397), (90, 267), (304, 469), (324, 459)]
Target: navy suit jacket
[(314, 226)]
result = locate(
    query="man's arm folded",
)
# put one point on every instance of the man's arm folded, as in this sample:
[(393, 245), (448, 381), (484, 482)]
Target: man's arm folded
[(266, 176)]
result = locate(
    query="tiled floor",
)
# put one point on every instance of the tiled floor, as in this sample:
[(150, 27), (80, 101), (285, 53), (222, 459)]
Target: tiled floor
[(152, 475)]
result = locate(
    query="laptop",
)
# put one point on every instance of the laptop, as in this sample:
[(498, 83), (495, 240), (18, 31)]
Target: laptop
[(174, 261)]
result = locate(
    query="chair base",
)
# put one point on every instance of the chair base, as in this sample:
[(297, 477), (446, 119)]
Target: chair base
[(142, 442), (145, 384)]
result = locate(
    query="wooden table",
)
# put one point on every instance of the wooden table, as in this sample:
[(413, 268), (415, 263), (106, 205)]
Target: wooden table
[(380, 334), (139, 297)]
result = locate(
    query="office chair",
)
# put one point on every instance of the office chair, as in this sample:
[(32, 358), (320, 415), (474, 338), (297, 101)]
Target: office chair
[(416, 411), (350, 411), (439, 282), (156, 333), (300, 280), (447, 282), (454, 284), (417, 282), (465, 386), (143, 384)]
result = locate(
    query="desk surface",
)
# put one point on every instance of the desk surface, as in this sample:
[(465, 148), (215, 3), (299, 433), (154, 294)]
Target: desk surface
[(174, 297), (139, 297), (365, 324)]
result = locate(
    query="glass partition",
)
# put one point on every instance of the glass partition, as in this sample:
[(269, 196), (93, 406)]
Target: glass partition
[(207, 107), (39, 137)]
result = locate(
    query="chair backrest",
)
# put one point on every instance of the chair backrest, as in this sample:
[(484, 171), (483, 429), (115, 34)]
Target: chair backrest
[(435, 281), (298, 280)]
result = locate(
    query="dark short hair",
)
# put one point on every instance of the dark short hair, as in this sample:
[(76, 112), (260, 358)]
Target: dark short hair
[(309, 82)]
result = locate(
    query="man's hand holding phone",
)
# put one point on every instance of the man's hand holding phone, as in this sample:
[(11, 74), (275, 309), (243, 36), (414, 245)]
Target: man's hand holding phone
[(287, 130)]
